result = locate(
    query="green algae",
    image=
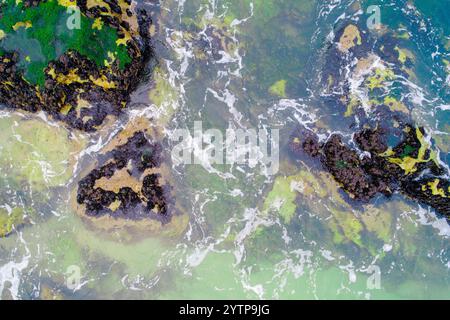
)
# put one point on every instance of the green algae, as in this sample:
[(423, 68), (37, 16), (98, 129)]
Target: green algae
[(11, 220), (163, 95), (378, 221), (278, 89), (37, 153), (67, 252), (74, 243), (217, 271), (45, 27), (282, 199), (280, 52), (346, 227)]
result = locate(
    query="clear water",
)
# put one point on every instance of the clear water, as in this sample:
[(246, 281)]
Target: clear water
[(232, 248)]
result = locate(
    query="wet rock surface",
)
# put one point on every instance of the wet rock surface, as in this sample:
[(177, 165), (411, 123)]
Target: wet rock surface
[(127, 184), (76, 90), (382, 151), (408, 168)]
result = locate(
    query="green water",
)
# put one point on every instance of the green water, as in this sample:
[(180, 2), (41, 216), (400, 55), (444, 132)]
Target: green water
[(235, 63)]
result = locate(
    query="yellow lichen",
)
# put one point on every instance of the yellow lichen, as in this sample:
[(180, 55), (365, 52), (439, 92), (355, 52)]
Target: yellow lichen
[(348, 38), (103, 82), (381, 76), (98, 24), (67, 3), (114, 206), (65, 109), (434, 188), (111, 58), (67, 79), (125, 38), (124, 6), (22, 24), (395, 105)]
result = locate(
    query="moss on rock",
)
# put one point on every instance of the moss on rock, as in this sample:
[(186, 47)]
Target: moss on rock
[(48, 64)]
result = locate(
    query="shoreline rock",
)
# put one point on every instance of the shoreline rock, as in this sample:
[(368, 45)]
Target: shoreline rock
[(410, 167), (77, 91), (130, 186)]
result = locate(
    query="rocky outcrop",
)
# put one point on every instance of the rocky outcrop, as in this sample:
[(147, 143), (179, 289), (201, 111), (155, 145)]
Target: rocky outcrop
[(130, 191), (100, 63), (411, 167), (126, 184)]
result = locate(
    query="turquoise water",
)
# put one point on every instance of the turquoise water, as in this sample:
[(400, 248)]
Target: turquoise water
[(216, 61)]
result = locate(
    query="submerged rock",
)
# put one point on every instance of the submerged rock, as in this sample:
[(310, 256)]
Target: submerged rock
[(126, 184), (36, 153), (363, 78), (85, 63), (12, 219), (411, 167), (131, 185)]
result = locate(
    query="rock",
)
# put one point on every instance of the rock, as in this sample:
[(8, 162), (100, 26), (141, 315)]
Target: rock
[(411, 167), (12, 219), (350, 38), (73, 79), (347, 168), (131, 186), (303, 140)]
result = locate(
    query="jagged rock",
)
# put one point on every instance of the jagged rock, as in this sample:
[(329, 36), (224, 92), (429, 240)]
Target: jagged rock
[(411, 167), (130, 186), (81, 76)]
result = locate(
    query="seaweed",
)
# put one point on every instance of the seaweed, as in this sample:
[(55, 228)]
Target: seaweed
[(411, 167), (126, 184), (77, 76)]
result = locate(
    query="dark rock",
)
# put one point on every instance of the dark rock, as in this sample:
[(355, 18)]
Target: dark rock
[(366, 176)]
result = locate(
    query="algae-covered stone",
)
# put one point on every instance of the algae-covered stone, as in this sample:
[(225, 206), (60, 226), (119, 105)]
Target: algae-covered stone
[(130, 187), (55, 53)]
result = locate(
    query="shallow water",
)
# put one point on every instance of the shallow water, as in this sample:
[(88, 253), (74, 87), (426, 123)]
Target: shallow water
[(215, 61)]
